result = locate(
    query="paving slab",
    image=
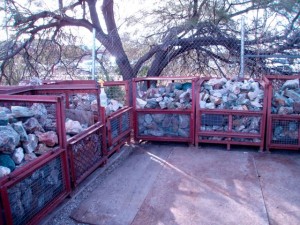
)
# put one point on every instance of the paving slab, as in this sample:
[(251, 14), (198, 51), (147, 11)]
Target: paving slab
[(117, 200), (205, 187), (161, 184), (280, 179)]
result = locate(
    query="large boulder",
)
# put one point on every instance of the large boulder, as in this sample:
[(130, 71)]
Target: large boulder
[(9, 139)]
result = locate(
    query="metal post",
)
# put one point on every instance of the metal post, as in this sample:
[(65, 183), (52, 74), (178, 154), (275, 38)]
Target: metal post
[(242, 47), (93, 54)]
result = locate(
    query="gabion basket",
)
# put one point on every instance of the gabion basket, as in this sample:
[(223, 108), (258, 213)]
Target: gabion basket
[(283, 119), (164, 108), (231, 119)]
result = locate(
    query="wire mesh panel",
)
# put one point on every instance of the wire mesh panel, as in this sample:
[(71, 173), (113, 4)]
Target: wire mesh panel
[(87, 152), (283, 113), (231, 112), (164, 108), (119, 127), (36, 190)]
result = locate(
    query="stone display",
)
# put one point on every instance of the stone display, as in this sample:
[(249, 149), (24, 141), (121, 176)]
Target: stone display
[(171, 96), (164, 125), (286, 97), (220, 93), (22, 132)]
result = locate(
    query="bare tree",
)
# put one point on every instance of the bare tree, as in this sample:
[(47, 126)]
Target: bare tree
[(201, 33)]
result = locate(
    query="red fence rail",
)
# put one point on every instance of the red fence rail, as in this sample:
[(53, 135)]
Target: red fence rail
[(221, 126)]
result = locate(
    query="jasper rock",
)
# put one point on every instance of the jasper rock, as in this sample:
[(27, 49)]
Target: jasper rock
[(30, 156), (49, 138), (30, 145), (18, 127), (9, 139), (20, 111), (6, 161), (40, 112), (73, 127), (291, 84), (4, 171), (32, 124), (18, 155), (42, 149)]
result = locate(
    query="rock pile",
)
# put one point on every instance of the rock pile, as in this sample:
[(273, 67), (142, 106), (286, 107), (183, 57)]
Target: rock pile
[(25, 133), (173, 96), (169, 125), (286, 97), (28, 132), (33, 193), (230, 94)]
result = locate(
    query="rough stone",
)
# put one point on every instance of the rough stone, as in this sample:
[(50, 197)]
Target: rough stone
[(32, 125), (4, 171), (9, 139), (148, 118), (30, 156), (163, 105), (18, 155), (3, 118), (20, 111), (73, 127), (40, 112), (42, 149), (292, 94), (18, 127), (285, 110), (49, 138), (291, 84), (6, 161), (30, 145)]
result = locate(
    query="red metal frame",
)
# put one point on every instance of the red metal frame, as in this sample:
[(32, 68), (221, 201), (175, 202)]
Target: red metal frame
[(189, 112), (27, 170), (115, 143), (123, 135), (276, 117), (230, 134), (84, 161)]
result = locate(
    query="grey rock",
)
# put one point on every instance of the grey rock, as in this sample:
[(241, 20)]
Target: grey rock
[(285, 110), (292, 94), (32, 124), (30, 156), (291, 84), (9, 139), (158, 118), (184, 121), (40, 112), (3, 118), (157, 133), (183, 132), (73, 127), (30, 145), (5, 109), (20, 111), (148, 118), (163, 105), (18, 127)]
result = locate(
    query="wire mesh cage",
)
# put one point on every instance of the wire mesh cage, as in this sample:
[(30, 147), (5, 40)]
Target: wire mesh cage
[(87, 151), (164, 108), (283, 113), (231, 111), (29, 195)]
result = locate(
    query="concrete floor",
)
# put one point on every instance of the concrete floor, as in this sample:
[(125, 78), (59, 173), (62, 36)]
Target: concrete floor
[(163, 184)]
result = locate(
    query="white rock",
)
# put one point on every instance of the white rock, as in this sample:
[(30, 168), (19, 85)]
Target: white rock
[(140, 103), (162, 105), (255, 103), (291, 84), (4, 171), (73, 127), (18, 155), (215, 81), (210, 106), (202, 104)]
